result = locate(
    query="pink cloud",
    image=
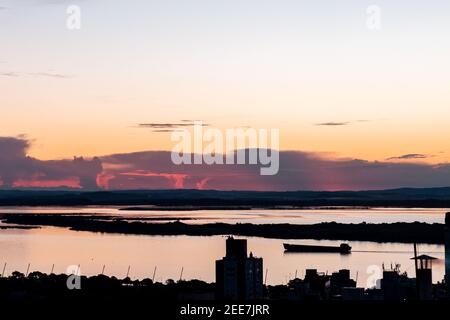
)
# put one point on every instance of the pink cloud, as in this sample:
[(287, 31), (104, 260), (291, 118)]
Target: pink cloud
[(155, 170), (18, 170), (176, 179), (72, 182), (103, 179)]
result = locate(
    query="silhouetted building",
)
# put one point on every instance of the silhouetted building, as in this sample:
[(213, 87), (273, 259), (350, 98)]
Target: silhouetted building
[(239, 276), (236, 248), (316, 282), (447, 248), (397, 286), (319, 286), (341, 280), (352, 293), (298, 289), (424, 281)]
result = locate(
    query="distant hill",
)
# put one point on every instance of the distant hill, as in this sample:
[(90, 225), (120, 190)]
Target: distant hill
[(405, 197)]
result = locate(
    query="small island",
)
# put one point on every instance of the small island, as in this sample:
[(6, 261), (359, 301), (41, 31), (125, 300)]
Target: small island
[(416, 232)]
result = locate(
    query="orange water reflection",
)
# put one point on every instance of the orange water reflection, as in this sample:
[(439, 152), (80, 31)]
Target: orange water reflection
[(46, 246)]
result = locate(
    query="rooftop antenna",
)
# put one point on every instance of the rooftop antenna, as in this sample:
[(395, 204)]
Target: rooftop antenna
[(265, 278), (4, 267), (28, 269), (181, 274), (154, 273)]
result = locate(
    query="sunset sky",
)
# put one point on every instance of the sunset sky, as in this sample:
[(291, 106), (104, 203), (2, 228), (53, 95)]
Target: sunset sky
[(337, 91)]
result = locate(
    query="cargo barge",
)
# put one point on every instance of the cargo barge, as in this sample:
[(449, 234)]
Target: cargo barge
[(344, 248)]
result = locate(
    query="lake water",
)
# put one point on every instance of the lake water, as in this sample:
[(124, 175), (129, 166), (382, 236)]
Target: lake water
[(257, 216), (41, 248)]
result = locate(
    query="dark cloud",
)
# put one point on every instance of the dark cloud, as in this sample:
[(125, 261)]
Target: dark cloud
[(155, 170), (333, 124), (13, 147), (410, 156), (171, 126), (343, 123), (163, 125), (19, 170), (298, 171)]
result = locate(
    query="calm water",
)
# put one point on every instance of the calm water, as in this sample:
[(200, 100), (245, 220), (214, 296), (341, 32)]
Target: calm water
[(62, 247), (372, 215)]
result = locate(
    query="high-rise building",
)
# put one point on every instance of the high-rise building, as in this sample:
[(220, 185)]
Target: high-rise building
[(239, 276), (447, 248)]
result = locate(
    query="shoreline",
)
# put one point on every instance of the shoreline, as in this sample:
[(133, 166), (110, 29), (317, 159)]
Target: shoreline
[(400, 232), (179, 198)]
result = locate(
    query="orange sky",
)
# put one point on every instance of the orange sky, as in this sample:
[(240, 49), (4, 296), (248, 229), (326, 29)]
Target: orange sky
[(284, 66)]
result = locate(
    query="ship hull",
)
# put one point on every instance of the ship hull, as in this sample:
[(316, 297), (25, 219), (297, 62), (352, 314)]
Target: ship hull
[(311, 248)]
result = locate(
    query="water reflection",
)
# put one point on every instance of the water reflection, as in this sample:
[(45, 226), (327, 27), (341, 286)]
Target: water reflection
[(62, 247), (297, 216)]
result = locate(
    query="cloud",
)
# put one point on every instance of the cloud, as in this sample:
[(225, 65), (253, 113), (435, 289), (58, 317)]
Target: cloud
[(298, 171), (154, 170), (337, 124), (166, 130), (171, 126), (13, 147), (410, 156), (9, 74), (176, 178), (331, 124), (36, 74), (53, 2), (50, 75), (163, 125), (18, 170)]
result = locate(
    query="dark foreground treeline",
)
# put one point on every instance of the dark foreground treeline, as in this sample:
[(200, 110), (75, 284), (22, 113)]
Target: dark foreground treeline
[(102, 296), (393, 232), (407, 197), (38, 286)]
